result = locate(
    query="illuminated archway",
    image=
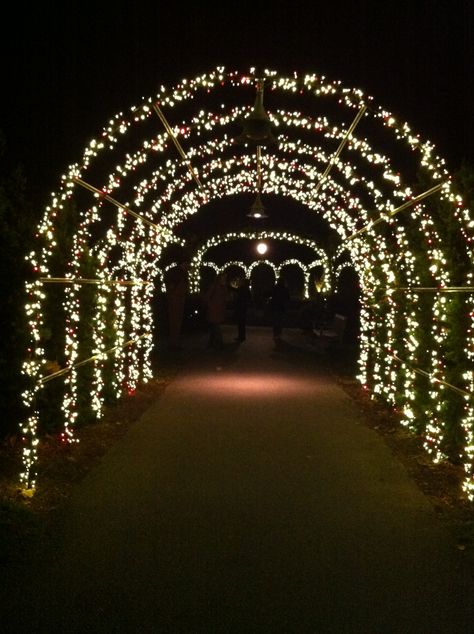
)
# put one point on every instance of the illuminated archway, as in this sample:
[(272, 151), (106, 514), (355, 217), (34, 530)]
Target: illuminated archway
[(137, 184), (277, 269), (319, 255)]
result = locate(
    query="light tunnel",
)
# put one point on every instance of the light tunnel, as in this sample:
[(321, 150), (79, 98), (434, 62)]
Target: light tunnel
[(379, 186)]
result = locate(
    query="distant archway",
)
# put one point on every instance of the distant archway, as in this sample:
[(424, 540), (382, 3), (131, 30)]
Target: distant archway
[(318, 257)]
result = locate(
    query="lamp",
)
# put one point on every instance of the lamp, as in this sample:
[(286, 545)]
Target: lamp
[(257, 210), (257, 127)]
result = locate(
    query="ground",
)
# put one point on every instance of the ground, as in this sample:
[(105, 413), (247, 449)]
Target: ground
[(24, 519), (441, 483)]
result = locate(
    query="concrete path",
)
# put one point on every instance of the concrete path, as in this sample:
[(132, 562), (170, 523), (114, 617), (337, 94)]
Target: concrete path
[(248, 499)]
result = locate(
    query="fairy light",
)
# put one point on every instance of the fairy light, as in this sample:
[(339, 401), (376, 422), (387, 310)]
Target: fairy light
[(197, 261), (155, 192), (468, 419), (100, 319), (276, 268)]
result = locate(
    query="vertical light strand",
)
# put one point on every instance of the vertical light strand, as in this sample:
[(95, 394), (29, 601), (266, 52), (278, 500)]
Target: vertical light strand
[(120, 338), (100, 320), (468, 418)]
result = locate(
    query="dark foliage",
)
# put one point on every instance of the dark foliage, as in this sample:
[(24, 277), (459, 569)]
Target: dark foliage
[(17, 226)]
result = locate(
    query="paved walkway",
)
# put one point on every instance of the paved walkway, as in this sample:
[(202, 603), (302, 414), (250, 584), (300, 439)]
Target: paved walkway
[(250, 498)]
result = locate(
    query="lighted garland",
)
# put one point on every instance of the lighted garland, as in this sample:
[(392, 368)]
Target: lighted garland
[(247, 180), (468, 420), (290, 173), (277, 269), (197, 260), (383, 363)]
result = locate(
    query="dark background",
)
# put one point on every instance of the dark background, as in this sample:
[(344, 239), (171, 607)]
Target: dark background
[(68, 68)]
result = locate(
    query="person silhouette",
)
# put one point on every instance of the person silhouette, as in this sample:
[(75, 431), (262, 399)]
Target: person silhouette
[(176, 292), (279, 300), (216, 300), (243, 298)]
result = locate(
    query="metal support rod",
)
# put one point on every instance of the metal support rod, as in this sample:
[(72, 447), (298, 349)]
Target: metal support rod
[(259, 168), (390, 214), (172, 136), (94, 190), (82, 280), (430, 376), (435, 289), (343, 142), (64, 371)]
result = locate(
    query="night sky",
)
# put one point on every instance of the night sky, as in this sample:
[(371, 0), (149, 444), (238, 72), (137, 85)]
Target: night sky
[(67, 69)]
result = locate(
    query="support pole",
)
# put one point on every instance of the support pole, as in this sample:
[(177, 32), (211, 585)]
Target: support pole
[(434, 289), (342, 144), (64, 371), (100, 193), (182, 153), (432, 378), (259, 168), (409, 203)]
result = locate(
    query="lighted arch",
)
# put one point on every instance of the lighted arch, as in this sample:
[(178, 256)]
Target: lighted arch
[(386, 223), (197, 261), (277, 268)]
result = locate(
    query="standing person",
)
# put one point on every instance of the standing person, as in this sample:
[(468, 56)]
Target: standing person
[(176, 292), (279, 300), (243, 298), (216, 299)]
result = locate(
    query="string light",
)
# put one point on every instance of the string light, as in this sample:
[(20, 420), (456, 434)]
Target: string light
[(154, 193), (276, 268)]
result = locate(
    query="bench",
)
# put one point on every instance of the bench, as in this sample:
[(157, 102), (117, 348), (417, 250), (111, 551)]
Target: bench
[(334, 330)]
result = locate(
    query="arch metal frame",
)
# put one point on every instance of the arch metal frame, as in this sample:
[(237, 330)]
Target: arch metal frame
[(389, 226)]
